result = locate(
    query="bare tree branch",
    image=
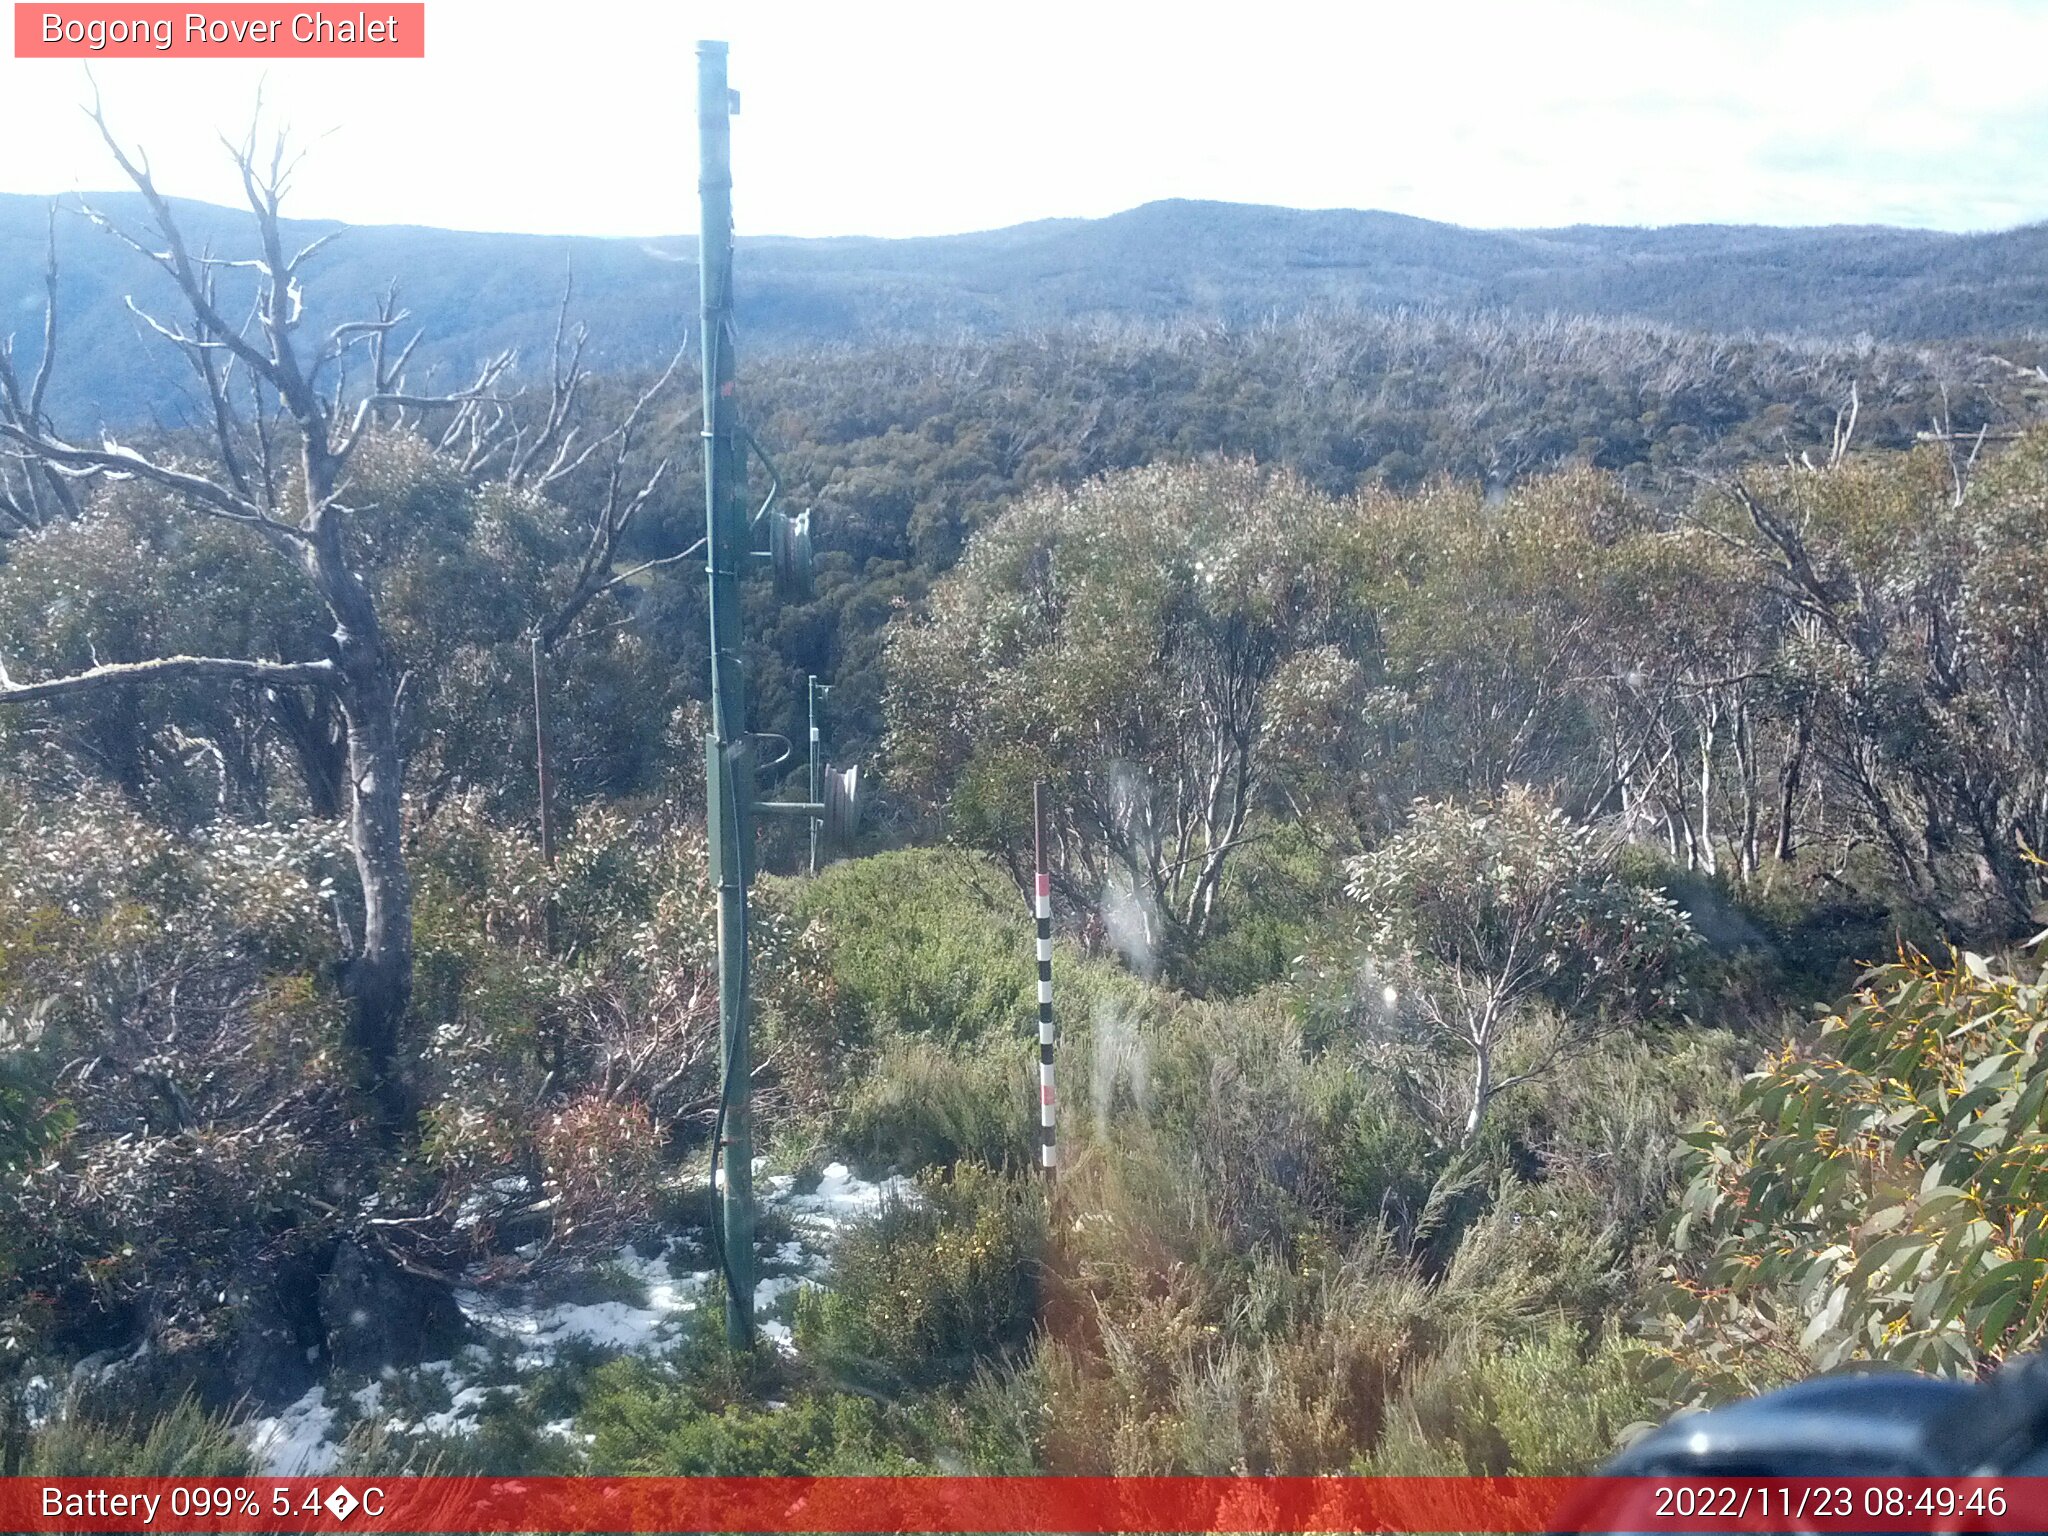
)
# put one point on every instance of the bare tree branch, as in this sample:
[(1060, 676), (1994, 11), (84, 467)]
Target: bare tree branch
[(594, 575), (565, 380), (210, 495), (167, 669), (49, 357), (27, 408), (1845, 427), (174, 258)]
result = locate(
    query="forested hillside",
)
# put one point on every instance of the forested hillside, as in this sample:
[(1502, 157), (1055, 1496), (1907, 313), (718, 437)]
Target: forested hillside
[(477, 293), (907, 449), (1486, 755)]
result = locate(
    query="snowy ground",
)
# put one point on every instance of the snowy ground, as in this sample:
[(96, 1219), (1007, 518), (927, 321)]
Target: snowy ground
[(539, 1330), (300, 1439)]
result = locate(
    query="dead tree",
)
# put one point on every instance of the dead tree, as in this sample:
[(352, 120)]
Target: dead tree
[(285, 416), (31, 492), (546, 457)]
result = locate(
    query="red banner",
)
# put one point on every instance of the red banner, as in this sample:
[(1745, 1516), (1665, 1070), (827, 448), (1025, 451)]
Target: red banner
[(1085, 1506), (228, 31)]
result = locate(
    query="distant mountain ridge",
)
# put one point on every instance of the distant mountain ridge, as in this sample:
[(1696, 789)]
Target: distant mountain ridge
[(474, 294)]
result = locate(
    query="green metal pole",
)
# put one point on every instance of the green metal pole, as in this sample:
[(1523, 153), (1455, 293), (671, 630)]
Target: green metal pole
[(729, 775)]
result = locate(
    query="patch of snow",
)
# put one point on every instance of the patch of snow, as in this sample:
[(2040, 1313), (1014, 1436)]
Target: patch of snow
[(463, 1406), (297, 1440), (103, 1366), (295, 1443), (841, 1197), (621, 1325)]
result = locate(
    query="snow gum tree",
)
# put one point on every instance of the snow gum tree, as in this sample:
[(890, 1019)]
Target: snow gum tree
[(1499, 926)]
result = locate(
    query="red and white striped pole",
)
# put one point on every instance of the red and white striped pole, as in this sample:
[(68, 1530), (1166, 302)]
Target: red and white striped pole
[(1048, 1151)]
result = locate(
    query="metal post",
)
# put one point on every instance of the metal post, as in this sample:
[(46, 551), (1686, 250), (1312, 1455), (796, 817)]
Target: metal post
[(729, 777), (817, 785), (543, 778), (1048, 1151), (544, 788)]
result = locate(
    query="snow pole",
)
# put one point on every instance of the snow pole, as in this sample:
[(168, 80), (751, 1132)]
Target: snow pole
[(1048, 1148)]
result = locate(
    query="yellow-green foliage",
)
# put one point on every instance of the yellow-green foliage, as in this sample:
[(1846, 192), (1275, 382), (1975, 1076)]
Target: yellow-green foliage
[(184, 1441), (921, 1106), (1548, 1405), (933, 1286), (1878, 1193), (704, 1411), (815, 1434), (925, 942), (924, 959)]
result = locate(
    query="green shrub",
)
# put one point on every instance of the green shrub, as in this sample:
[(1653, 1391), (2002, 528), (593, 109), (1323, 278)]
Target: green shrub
[(1233, 1084), (1275, 897), (184, 1441), (706, 1412), (924, 1105), (812, 1435), (602, 1282), (1306, 1392), (1603, 1144), (1560, 1410), (1383, 1165), (926, 942), (1776, 946), (1195, 1370), (1547, 1405), (1876, 1193), (931, 1286)]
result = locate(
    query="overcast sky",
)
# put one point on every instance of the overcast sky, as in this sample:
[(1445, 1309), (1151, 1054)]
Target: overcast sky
[(891, 118)]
